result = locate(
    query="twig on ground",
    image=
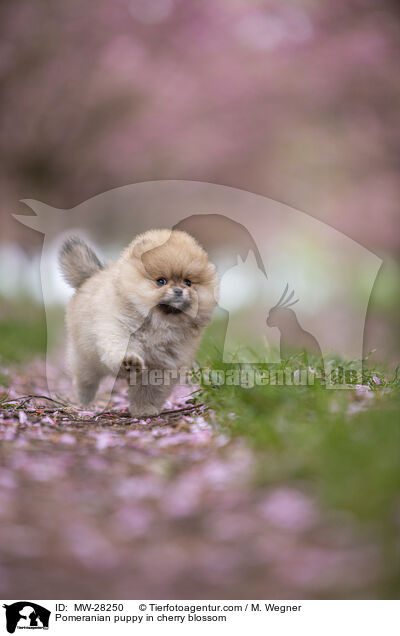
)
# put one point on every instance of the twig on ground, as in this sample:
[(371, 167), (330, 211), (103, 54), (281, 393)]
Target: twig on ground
[(97, 418), (27, 398)]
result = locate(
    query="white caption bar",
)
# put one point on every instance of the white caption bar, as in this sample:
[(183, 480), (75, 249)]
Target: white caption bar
[(171, 617)]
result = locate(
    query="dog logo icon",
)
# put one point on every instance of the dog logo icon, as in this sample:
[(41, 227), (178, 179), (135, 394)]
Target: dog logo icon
[(26, 615)]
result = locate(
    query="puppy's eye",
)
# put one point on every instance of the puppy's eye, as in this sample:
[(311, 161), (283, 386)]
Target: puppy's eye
[(161, 281), (187, 282)]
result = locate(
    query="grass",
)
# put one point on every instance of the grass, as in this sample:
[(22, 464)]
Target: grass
[(305, 433), (22, 331), (343, 444)]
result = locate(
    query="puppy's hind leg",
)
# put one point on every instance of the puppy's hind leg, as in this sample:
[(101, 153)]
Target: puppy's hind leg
[(86, 380), (86, 389), (147, 400)]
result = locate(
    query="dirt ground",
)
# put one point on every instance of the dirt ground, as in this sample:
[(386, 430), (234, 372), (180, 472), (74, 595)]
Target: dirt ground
[(95, 505)]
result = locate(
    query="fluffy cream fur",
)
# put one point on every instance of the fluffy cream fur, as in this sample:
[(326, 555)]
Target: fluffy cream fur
[(146, 311)]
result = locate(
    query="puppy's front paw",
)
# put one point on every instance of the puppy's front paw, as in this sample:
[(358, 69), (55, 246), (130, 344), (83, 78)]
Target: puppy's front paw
[(132, 363), (145, 411)]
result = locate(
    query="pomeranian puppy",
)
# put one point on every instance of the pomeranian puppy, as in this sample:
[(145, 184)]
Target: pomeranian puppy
[(146, 311)]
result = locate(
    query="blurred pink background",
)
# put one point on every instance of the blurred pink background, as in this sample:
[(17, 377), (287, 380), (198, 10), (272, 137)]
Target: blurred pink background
[(298, 101)]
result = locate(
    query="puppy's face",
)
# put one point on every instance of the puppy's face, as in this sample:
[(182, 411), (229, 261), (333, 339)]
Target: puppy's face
[(176, 295), (168, 272)]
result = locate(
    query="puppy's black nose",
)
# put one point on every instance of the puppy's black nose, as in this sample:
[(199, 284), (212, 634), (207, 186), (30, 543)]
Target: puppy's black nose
[(178, 292)]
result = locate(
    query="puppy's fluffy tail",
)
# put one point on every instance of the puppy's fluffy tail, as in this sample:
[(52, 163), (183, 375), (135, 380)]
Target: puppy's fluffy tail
[(78, 261)]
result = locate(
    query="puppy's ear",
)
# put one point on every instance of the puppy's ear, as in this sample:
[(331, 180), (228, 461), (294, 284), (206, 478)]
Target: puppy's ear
[(134, 250), (147, 241), (209, 276)]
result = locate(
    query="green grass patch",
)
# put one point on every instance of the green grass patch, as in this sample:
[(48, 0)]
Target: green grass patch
[(22, 331), (343, 444)]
